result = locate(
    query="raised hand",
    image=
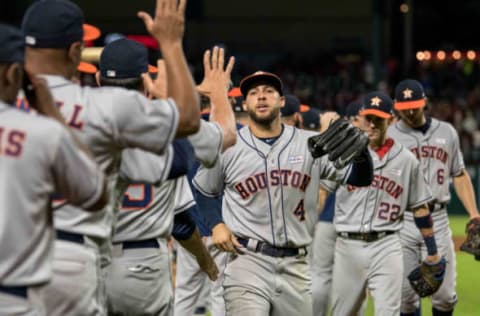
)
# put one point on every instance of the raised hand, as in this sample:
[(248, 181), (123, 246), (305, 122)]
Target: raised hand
[(215, 75), (157, 88), (168, 24)]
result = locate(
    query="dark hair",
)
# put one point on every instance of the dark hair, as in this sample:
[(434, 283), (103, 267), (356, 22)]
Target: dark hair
[(204, 102), (127, 83)]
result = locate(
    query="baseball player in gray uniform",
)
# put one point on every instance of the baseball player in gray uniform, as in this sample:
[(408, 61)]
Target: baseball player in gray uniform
[(368, 250), (37, 156), (270, 184), (435, 144), (323, 245), (108, 120), (138, 279)]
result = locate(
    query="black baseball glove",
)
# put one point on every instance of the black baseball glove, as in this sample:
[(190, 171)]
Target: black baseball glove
[(472, 243), (427, 278), (341, 141)]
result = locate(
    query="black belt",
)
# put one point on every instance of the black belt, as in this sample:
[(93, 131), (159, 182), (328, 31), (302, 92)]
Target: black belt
[(436, 206), (68, 236), (368, 237), (15, 290), (273, 251), (149, 243)]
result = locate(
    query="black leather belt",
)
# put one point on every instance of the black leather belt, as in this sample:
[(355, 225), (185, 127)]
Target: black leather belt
[(68, 236), (436, 206), (15, 290), (148, 243), (368, 237), (273, 251)]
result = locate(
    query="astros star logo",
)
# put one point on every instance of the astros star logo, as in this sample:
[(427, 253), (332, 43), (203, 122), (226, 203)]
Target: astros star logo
[(375, 101), (407, 93)]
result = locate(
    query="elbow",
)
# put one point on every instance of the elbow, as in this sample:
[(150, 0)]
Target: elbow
[(102, 201), (188, 126)]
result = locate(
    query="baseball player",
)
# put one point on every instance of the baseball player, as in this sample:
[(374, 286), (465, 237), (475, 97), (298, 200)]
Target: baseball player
[(37, 156), (270, 185), (108, 120), (323, 245), (435, 144), (291, 111), (368, 251), (137, 281)]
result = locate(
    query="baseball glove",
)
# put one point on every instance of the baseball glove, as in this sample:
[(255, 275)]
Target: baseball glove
[(341, 141), (472, 243), (427, 278)]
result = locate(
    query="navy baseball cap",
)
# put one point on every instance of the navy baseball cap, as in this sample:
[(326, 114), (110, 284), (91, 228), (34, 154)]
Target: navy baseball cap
[(353, 109), (261, 77), (292, 105), (12, 44), (311, 118), (409, 95), (124, 58), (56, 24), (377, 103)]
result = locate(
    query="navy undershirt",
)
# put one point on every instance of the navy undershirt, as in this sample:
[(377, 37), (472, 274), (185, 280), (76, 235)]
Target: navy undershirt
[(424, 128)]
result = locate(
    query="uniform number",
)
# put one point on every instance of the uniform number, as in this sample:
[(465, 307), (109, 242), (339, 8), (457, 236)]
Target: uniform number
[(137, 197), (300, 211), (440, 176), (389, 212)]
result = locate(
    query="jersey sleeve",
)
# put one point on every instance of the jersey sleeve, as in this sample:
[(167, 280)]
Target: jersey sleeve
[(207, 143), (328, 185), (183, 195), (77, 177), (141, 166), (418, 191), (210, 181), (147, 124), (457, 163)]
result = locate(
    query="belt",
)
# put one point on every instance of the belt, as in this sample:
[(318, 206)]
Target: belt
[(269, 250), (68, 236), (14, 290), (435, 206), (368, 237), (148, 243)]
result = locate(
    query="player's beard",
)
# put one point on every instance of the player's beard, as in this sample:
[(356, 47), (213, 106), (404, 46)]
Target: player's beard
[(266, 120)]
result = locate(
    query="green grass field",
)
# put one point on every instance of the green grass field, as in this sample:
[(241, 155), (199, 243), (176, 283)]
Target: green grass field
[(468, 279)]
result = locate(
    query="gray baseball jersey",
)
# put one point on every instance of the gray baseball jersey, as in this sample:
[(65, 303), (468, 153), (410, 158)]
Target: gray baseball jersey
[(109, 120), (37, 157), (398, 185), (438, 151), (270, 192), (147, 210)]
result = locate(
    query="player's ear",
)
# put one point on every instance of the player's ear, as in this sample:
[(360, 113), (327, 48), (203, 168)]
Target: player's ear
[(97, 78), (75, 53), (14, 75)]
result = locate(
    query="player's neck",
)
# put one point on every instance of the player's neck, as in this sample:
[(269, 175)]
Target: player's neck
[(266, 131), (376, 144), (45, 63)]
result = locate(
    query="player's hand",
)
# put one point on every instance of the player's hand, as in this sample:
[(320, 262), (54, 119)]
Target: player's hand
[(168, 24), (208, 265), (224, 240), (156, 88), (216, 77), (327, 118), (433, 259)]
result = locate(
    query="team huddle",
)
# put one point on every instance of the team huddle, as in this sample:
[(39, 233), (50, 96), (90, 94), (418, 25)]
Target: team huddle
[(95, 180)]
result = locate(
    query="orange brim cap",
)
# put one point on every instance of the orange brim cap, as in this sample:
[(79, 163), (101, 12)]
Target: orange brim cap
[(376, 113), (304, 108), (409, 105), (152, 69), (90, 32), (86, 68), (235, 92)]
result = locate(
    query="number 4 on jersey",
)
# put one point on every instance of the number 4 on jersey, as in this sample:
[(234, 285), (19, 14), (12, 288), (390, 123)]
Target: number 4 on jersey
[(299, 211)]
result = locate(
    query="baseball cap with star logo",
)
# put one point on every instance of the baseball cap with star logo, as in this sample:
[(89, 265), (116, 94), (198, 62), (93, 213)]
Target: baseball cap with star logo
[(377, 103), (409, 95)]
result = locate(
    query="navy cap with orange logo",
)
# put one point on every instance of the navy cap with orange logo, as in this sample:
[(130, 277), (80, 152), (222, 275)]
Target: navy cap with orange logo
[(237, 95), (353, 108), (261, 77), (409, 94), (377, 103)]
